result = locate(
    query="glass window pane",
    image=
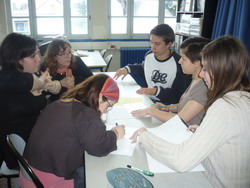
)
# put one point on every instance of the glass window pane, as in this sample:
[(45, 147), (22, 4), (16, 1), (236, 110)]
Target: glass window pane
[(79, 7), (146, 7), (19, 8), (171, 22), (79, 26), (141, 27), (118, 7), (49, 8), (47, 26), (21, 25), (170, 7), (119, 25)]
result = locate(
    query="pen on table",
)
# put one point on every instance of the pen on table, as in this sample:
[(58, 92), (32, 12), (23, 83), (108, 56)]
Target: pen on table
[(142, 171)]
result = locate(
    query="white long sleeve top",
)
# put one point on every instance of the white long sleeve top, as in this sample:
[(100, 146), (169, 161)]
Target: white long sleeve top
[(221, 143)]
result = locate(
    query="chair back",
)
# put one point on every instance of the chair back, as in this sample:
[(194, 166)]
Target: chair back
[(43, 47), (17, 145), (8, 173), (5, 171), (108, 60), (103, 52)]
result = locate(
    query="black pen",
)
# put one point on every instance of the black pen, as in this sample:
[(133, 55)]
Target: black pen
[(142, 171), (116, 124), (184, 122)]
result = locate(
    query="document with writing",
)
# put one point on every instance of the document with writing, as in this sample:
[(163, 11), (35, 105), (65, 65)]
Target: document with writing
[(124, 145), (173, 131)]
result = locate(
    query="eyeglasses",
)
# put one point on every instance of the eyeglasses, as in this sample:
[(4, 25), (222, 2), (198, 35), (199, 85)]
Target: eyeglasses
[(64, 53), (110, 107)]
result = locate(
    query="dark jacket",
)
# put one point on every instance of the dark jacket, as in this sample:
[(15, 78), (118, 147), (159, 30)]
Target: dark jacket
[(61, 135), (19, 109)]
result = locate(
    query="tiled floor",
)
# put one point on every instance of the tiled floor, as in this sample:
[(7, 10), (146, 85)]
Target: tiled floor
[(14, 183)]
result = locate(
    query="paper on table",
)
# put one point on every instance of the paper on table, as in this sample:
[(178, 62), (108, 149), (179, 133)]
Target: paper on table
[(173, 131), (135, 106), (81, 53), (128, 100), (124, 145)]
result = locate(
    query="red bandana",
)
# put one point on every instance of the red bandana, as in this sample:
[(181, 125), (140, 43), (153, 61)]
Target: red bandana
[(110, 89)]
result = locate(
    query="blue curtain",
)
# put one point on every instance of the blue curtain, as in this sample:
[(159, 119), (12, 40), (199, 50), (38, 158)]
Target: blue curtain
[(233, 18)]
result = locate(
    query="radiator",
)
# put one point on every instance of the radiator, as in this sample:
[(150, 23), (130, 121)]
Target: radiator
[(132, 55)]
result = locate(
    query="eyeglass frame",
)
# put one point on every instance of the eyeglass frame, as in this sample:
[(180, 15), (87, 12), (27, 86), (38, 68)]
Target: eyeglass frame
[(64, 53), (110, 107)]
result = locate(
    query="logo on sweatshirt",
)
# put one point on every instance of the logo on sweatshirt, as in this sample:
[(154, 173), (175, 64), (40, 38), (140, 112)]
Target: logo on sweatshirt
[(158, 77)]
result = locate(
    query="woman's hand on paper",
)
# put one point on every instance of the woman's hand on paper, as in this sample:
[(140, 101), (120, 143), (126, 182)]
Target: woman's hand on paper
[(137, 133), (146, 91), (139, 113)]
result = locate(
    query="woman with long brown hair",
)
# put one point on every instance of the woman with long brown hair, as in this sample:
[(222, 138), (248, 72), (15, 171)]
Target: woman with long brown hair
[(70, 126), (222, 140), (63, 66)]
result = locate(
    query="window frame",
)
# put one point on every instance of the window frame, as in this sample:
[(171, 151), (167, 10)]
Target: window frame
[(66, 19), (130, 16)]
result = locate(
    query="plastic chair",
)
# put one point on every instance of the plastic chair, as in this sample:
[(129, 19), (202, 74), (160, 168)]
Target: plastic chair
[(16, 145), (8, 173), (103, 52), (43, 47), (108, 60)]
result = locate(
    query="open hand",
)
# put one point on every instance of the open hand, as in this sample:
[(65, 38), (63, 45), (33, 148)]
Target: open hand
[(139, 113), (137, 133), (121, 72), (146, 91)]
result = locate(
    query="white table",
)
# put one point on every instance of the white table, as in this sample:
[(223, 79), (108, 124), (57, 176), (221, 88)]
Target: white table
[(96, 167), (92, 58)]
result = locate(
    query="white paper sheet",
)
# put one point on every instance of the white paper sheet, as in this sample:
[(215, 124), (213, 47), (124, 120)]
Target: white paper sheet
[(173, 131), (124, 145), (134, 106)]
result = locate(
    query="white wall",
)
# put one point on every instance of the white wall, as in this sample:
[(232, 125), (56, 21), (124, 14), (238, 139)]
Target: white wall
[(100, 23), (3, 24), (99, 31)]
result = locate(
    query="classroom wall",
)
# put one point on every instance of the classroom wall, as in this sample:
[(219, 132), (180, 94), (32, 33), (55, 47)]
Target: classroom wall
[(3, 24), (98, 31)]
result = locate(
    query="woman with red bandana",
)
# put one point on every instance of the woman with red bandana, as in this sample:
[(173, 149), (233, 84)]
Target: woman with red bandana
[(70, 126)]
